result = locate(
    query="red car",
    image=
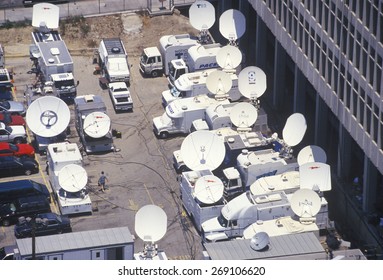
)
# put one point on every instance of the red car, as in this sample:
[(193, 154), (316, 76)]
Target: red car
[(18, 150), (9, 119)]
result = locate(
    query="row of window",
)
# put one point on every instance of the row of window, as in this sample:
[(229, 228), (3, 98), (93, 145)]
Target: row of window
[(347, 49)]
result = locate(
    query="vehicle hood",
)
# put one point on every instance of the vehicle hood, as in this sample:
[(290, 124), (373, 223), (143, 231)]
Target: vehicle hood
[(213, 231), (26, 149), (16, 106), (18, 129)]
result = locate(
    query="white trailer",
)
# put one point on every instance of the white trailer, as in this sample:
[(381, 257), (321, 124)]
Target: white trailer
[(84, 106), (180, 114), (113, 60), (201, 57), (60, 155), (193, 84), (198, 211)]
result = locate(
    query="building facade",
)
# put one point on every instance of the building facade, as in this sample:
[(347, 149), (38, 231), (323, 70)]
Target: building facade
[(324, 58)]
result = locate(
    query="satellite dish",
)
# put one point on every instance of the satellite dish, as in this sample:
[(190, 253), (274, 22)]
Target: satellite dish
[(72, 178), (229, 57), (208, 189), (294, 130), (150, 223), (48, 116), (252, 82), (315, 176), (311, 153), (219, 83), (202, 150), (232, 24), (97, 124), (202, 15), (243, 115), (259, 241), (306, 204), (45, 14)]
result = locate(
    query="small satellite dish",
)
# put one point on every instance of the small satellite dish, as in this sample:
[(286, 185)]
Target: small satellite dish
[(45, 14), (97, 124), (48, 116), (208, 189), (243, 115), (72, 178), (294, 129), (203, 150), (232, 24), (150, 223), (311, 153), (315, 176), (202, 15), (306, 204), (252, 82), (219, 83), (259, 241), (229, 57)]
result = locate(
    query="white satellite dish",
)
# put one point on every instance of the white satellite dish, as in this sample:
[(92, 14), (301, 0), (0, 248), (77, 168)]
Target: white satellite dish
[(48, 116), (208, 189), (306, 204), (45, 14), (203, 150), (259, 241), (150, 223), (252, 82), (73, 178), (232, 25), (202, 15), (219, 83), (243, 115), (294, 129), (315, 176), (311, 153), (229, 57), (97, 124)]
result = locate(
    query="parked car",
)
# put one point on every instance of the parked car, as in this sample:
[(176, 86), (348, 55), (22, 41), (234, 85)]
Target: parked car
[(120, 95), (13, 107), (45, 224), (18, 150), (9, 119), (17, 165), (15, 134), (6, 93), (25, 206), (7, 252)]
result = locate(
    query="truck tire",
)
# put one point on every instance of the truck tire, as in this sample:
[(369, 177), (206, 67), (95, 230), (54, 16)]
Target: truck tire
[(155, 74), (6, 223), (18, 140), (164, 134), (28, 172)]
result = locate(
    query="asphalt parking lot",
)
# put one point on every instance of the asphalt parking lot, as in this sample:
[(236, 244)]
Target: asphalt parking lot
[(139, 173)]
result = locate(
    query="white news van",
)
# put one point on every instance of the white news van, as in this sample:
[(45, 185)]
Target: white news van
[(192, 84), (60, 155), (180, 114)]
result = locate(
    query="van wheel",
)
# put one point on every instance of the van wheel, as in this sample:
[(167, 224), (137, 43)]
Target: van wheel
[(6, 223), (155, 74), (28, 172), (164, 134), (18, 140)]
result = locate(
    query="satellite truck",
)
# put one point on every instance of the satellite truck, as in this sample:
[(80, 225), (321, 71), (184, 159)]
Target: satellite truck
[(263, 201), (192, 84), (49, 53), (155, 61), (201, 191), (113, 60), (68, 178), (93, 124)]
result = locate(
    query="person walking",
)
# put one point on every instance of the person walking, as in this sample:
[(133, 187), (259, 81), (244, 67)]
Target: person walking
[(102, 180)]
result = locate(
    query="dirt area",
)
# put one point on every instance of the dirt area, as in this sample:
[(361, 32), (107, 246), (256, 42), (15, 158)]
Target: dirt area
[(84, 34)]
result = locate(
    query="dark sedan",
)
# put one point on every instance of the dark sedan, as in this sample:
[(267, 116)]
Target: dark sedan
[(17, 165), (45, 224)]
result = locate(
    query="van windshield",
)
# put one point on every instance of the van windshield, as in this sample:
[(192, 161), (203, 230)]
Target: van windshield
[(222, 220)]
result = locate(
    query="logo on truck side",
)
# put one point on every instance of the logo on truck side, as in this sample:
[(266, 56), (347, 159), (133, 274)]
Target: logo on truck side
[(208, 65)]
